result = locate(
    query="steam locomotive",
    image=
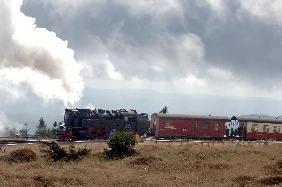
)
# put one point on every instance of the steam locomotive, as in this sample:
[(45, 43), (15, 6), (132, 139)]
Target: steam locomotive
[(81, 124)]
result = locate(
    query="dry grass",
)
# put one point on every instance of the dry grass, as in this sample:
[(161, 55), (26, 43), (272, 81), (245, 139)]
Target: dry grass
[(22, 155), (274, 169), (161, 164)]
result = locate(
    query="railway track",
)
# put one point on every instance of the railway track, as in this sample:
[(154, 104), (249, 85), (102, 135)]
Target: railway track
[(16, 141)]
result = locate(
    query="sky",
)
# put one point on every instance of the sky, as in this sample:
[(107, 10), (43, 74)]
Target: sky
[(218, 57)]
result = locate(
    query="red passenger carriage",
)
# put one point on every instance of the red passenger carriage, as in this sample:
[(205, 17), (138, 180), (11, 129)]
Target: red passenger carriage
[(261, 128), (188, 126)]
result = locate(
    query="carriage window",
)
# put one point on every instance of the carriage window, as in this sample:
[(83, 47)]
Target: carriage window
[(276, 129), (254, 128), (216, 126), (167, 124), (265, 128), (206, 125)]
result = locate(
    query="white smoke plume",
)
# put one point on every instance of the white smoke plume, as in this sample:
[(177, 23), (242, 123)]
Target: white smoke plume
[(36, 57), (6, 124)]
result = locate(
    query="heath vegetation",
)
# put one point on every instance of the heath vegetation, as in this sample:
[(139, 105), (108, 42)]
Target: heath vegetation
[(152, 164)]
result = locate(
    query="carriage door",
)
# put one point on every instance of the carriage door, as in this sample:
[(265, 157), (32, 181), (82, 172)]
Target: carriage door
[(194, 129)]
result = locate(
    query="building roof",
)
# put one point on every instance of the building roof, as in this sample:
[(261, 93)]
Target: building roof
[(184, 116), (260, 119)]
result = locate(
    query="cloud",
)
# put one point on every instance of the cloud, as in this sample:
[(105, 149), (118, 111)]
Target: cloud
[(227, 47), (223, 48), (36, 57), (129, 36), (267, 11)]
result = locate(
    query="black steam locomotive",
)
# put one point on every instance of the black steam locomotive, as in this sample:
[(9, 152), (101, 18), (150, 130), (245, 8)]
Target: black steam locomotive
[(81, 124)]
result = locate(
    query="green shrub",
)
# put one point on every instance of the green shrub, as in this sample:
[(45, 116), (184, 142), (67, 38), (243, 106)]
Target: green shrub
[(120, 145), (22, 155)]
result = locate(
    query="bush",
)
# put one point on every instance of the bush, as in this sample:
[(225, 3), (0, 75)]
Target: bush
[(76, 154), (121, 145), (244, 180), (22, 155), (271, 180), (54, 152)]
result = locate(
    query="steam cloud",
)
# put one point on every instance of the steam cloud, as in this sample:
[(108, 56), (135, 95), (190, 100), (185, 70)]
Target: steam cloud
[(36, 57), (6, 124)]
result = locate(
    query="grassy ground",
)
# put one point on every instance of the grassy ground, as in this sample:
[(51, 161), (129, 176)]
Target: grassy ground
[(157, 164)]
